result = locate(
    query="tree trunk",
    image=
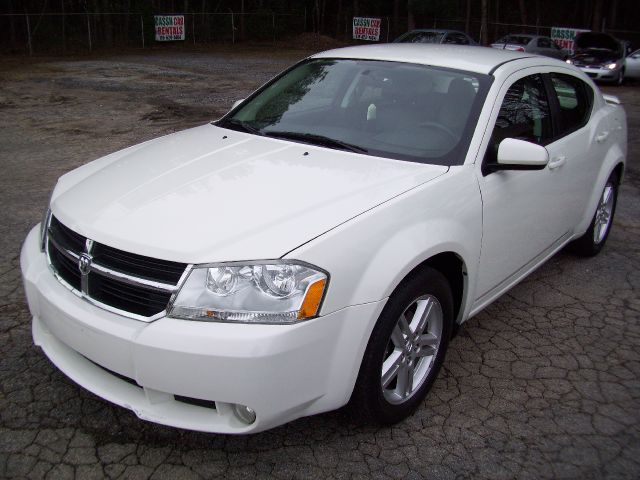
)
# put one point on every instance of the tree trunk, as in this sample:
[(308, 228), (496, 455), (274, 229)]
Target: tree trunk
[(613, 14), (523, 12), (467, 23), (12, 27), (483, 23), (242, 31), (596, 26), (411, 21), (396, 17), (338, 16), (496, 19)]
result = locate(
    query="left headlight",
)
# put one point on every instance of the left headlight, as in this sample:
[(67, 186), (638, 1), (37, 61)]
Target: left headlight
[(612, 66), (274, 292)]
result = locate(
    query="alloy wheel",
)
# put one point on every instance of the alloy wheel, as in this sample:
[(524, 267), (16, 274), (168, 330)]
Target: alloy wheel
[(412, 349)]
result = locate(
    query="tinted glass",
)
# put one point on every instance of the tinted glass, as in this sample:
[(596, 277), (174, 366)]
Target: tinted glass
[(524, 114), (457, 39), (516, 39), (544, 43), (396, 110), (574, 99), (422, 37)]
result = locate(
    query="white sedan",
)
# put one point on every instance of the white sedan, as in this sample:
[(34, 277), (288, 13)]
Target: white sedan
[(321, 243)]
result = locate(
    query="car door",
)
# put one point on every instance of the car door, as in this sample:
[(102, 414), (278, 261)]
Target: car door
[(580, 141), (633, 65), (523, 217)]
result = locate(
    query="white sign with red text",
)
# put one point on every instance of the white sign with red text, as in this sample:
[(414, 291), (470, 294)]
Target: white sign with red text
[(169, 27), (366, 28), (564, 37)]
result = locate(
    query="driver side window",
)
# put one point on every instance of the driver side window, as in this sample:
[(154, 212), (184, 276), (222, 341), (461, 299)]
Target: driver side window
[(524, 115)]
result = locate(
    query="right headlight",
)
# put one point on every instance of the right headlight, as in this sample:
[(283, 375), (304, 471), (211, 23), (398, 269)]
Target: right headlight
[(274, 292)]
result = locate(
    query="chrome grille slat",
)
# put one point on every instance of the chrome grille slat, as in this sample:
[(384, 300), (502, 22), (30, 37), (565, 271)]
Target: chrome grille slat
[(102, 270), (87, 268)]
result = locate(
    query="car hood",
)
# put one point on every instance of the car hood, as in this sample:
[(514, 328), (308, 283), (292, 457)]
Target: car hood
[(595, 56), (596, 40), (209, 194)]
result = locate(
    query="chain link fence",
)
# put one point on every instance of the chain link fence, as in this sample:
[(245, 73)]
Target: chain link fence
[(85, 32)]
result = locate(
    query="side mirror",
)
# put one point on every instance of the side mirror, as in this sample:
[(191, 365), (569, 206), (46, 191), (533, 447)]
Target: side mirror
[(520, 153), (237, 102), (514, 154)]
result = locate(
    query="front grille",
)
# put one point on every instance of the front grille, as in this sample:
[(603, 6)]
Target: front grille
[(120, 281)]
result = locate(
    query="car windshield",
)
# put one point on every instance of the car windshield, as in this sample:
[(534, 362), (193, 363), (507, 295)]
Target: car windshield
[(422, 37), (389, 109)]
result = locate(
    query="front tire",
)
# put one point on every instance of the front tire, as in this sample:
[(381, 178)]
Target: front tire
[(596, 236), (406, 349)]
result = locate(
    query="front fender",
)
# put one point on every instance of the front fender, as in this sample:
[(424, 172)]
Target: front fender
[(371, 254)]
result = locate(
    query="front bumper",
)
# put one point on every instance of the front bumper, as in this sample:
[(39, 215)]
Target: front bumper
[(601, 74), (161, 369)]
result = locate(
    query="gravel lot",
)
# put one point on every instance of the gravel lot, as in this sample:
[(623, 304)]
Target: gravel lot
[(545, 383)]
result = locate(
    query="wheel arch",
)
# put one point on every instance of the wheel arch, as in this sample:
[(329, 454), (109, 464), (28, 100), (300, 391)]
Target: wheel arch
[(452, 266), (614, 163)]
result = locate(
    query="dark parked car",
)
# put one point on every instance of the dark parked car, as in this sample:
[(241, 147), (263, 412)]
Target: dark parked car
[(450, 37), (600, 56), (535, 44)]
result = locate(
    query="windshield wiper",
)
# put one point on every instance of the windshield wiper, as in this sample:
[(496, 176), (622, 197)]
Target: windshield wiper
[(317, 140), (241, 126)]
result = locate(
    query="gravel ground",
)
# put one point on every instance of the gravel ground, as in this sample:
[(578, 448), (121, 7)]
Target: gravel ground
[(545, 383)]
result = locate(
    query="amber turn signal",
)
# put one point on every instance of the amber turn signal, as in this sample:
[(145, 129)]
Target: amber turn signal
[(312, 299)]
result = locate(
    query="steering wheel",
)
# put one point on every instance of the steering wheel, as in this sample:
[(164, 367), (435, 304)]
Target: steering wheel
[(442, 128)]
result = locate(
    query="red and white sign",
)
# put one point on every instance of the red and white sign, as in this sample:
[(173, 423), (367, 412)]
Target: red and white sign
[(169, 27), (564, 37), (366, 28)]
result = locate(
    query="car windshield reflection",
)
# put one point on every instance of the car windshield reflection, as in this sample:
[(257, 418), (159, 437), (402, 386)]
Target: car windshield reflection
[(389, 109)]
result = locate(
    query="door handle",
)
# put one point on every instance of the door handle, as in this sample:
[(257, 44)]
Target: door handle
[(557, 162), (602, 137)]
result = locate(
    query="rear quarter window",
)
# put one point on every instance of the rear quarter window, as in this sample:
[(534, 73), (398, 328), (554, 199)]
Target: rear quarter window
[(575, 101)]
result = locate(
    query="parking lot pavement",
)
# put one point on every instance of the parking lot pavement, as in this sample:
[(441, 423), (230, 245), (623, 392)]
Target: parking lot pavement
[(545, 383)]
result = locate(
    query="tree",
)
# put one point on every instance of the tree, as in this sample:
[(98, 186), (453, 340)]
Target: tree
[(483, 23)]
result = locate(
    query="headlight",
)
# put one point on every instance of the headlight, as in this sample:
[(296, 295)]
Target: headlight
[(276, 292), (611, 66), (569, 61), (43, 228)]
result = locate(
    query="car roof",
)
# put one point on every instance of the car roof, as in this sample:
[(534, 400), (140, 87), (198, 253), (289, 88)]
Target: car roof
[(459, 57)]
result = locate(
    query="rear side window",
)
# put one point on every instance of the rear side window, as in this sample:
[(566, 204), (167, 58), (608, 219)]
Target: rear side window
[(457, 39), (575, 99), (544, 43)]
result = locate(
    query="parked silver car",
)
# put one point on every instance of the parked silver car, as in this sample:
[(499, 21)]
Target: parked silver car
[(600, 56), (451, 37), (536, 44)]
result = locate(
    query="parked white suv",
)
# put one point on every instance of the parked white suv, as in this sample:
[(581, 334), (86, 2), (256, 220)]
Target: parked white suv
[(322, 241)]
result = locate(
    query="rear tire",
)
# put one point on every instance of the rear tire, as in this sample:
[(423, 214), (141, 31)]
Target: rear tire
[(596, 236), (406, 349)]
